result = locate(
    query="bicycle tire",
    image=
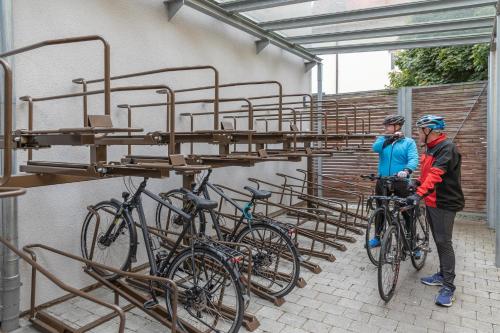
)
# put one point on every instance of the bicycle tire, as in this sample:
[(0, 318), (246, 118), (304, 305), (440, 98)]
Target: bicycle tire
[(390, 255), (423, 223), (124, 257), (172, 224), (373, 253), (286, 250), (181, 263)]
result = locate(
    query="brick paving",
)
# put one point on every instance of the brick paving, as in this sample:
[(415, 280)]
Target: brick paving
[(344, 297)]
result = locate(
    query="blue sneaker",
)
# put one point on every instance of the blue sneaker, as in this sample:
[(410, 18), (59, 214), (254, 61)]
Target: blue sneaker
[(417, 255), (374, 242), (445, 297), (433, 280)]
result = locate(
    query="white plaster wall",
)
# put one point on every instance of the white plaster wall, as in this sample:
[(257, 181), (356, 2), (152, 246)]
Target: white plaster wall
[(141, 38)]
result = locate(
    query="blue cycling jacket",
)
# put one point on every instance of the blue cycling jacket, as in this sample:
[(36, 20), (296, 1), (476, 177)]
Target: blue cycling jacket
[(396, 156)]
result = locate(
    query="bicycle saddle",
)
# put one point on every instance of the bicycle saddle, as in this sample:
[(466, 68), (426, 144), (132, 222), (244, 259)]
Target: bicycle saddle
[(258, 194), (201, 203)]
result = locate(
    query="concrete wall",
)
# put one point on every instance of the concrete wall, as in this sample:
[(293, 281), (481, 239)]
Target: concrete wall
[(141, 39)]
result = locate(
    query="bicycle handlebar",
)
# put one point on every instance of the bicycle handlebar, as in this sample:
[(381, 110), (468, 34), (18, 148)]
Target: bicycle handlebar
[(372, 176)]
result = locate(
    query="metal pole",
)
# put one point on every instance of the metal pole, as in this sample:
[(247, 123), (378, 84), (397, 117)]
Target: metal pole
[(491, 142), (9, 262), (336, 73), (319, 108), (496, 129), (405, 108), (11, 281)]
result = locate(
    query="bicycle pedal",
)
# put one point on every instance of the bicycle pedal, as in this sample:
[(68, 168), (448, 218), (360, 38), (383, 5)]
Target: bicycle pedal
[(149, 304)]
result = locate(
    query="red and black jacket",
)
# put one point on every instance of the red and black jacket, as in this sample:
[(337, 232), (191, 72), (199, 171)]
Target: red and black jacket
[(440, 175)]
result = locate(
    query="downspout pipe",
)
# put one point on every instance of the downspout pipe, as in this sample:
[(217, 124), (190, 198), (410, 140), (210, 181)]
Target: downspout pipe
[(9, 263)]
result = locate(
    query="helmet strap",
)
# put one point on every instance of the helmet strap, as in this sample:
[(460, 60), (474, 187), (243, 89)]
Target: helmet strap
[(427, 135)]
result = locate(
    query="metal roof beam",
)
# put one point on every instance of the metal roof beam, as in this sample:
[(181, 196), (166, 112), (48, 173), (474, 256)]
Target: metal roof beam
[(412, 8), (402, 30), (242, 23), (410, 44), (248, 5)]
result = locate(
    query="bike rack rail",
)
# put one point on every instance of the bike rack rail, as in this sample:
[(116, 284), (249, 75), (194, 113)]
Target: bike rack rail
[(98, 133), (311, 214), (256, 288), (48, 323)]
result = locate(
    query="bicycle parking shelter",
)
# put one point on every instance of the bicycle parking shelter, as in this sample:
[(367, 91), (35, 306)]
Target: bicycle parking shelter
[(302, 110)]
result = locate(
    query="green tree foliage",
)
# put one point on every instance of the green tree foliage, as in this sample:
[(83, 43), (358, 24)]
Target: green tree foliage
[(439, 65)]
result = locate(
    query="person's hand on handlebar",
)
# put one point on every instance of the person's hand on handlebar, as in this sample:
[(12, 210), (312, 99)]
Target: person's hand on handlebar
[(413, 199), (403, 173)]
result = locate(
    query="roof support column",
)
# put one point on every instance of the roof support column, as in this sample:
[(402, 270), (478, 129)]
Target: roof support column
[(319, 105), (494, 131), (491, 140), (405, 108)]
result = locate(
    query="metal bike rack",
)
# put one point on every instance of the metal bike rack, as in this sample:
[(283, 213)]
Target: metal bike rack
[(97, 132)]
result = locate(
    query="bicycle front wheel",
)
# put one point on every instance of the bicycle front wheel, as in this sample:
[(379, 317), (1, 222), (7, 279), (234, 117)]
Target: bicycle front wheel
[(209, 290), (389, 263), (421, 239), (372, 232), (108, 240)]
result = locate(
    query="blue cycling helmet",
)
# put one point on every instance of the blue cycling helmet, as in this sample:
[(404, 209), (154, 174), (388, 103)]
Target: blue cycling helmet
[(432, 122)]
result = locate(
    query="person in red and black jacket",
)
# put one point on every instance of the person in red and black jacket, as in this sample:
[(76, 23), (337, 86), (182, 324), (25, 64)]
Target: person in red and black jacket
[(440, 186)]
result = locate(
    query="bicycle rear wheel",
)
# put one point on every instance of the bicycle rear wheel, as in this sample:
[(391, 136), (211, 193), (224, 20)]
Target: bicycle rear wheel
[(210, 292), (167, 220), (110, 242), (371, 232), (275, 259), (389, 263), (422, 242)]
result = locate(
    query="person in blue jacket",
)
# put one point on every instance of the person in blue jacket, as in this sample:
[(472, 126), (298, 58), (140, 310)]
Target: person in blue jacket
[(397, 156)]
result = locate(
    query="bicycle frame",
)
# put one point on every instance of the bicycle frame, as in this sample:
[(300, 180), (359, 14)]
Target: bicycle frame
[(414, 213), (203, 189), (135, 202), (394, 218)]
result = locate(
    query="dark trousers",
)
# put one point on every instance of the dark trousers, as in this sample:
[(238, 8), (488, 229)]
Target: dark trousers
[(441, 222), (401, 190)]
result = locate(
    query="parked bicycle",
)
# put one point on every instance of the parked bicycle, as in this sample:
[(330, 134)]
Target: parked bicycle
[(205, 271), (378, 219), (275, 259), (399, 242)]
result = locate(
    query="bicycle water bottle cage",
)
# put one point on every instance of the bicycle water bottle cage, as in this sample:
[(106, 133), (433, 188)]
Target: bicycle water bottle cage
[(246, 211)]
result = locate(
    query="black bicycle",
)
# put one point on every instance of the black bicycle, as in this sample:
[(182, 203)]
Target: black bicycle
[(275, 259), (399, 242), (380, 213), (206, 272)]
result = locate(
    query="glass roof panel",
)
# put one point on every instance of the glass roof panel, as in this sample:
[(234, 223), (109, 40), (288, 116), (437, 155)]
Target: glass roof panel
[(318, 7), (394, 39), (391, 22)]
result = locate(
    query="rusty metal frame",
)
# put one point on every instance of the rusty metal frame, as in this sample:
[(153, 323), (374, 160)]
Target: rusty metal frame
[(107, 59), (49, 323), (7, 124), (249, 83), (311, 198), (328, 205), (320, 216), (216, 86)]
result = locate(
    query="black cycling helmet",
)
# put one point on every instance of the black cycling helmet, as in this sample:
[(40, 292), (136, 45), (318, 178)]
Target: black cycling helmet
[(394, 120)]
